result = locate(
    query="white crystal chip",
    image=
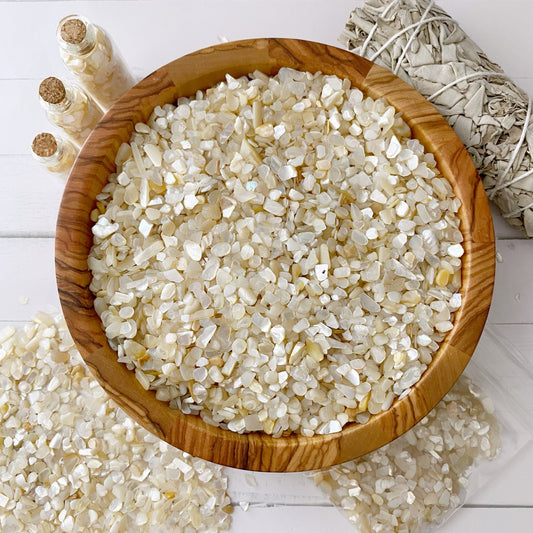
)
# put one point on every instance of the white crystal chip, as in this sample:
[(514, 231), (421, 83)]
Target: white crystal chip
[(277, 254), (87, 465), (416, 481)]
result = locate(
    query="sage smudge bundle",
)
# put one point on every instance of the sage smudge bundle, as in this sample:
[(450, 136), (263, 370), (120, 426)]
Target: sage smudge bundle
[(423, 45)]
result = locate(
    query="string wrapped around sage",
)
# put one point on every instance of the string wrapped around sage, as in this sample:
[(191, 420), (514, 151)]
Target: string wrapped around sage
[(491, 115)]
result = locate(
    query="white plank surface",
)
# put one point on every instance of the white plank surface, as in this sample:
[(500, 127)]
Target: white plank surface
[(513, 290), (27, 270), (311, 519), (30, 208), (502, 230), (288, 503)]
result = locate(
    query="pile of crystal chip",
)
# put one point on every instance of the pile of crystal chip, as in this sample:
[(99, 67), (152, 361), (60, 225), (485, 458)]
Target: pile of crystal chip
[(70, 461), (276, 254), (420, 477)]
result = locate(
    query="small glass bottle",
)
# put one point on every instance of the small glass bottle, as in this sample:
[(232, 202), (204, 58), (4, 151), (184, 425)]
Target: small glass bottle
[(69, 107), (55, 153), (93, 60)]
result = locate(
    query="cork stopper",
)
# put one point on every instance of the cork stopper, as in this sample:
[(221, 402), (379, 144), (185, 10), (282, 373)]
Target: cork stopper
[(52, 90), (44, 145), (73, 31)]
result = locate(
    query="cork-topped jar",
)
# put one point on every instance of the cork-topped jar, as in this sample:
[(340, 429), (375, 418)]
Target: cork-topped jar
[(55, 153), (70, 108), (93, 59)]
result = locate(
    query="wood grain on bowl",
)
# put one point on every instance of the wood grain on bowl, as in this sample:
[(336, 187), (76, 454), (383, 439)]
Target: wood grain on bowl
[(257, 451)]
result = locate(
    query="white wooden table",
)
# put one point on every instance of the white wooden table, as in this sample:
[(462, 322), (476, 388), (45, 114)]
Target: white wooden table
[(30, 197)]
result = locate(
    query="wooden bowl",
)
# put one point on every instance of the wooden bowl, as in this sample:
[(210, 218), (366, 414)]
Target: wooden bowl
[(258, 451)]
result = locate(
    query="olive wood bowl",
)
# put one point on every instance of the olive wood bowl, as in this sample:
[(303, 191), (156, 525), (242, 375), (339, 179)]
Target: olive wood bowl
[(258, 451)]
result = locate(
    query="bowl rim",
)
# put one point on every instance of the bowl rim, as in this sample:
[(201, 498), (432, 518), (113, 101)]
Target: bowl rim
[(258, 451)]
